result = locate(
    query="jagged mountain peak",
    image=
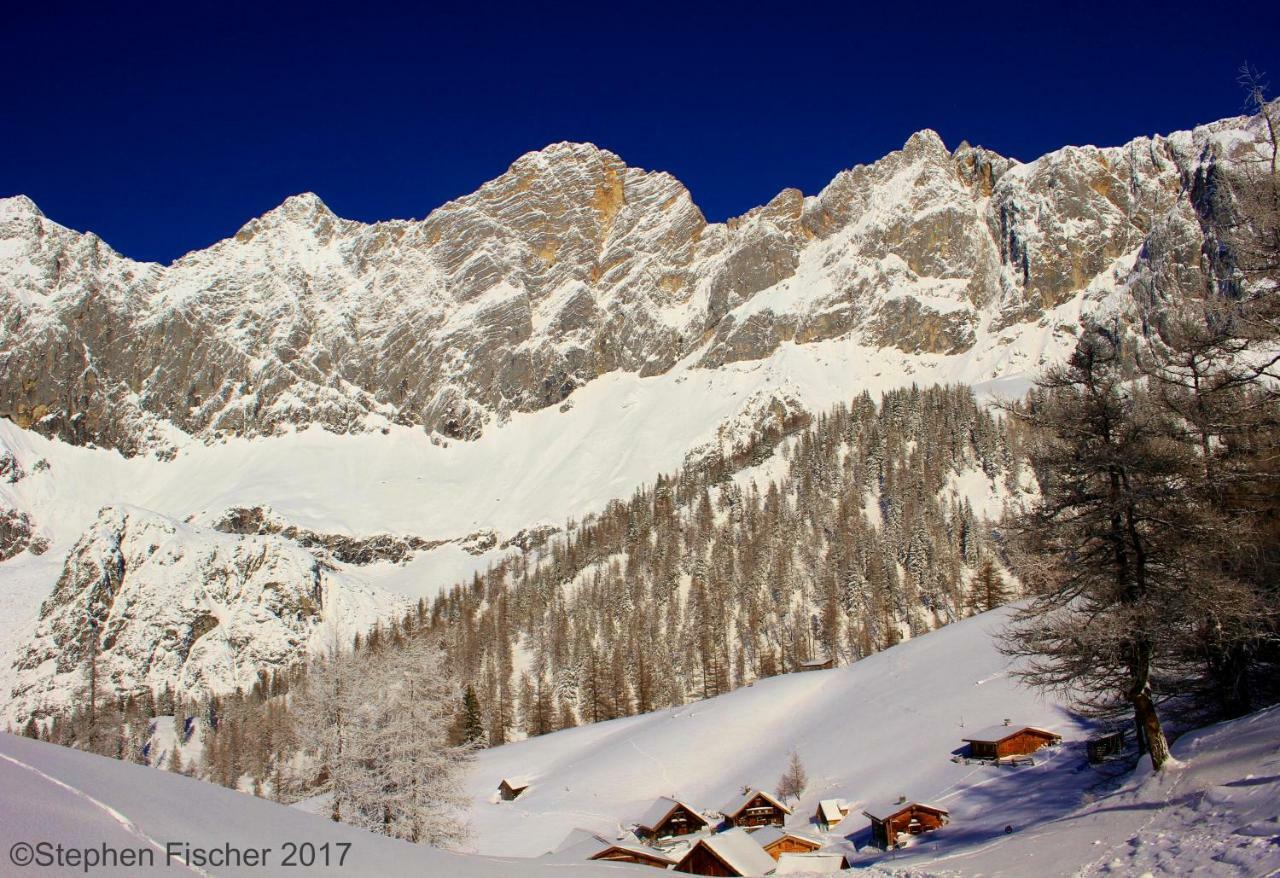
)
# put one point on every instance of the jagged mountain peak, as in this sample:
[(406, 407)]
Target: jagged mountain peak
[(302, 211), (926, 140), (18, 206)]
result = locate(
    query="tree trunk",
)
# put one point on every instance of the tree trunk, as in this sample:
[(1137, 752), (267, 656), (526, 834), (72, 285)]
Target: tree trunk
[(1148, 721)]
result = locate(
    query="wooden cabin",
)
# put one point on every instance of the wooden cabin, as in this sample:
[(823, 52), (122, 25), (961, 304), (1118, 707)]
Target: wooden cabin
[(830, 812), (755, 808), (818, 664), (511, 788), (911, 818), (730, 853), (824, 863), (998, 742), (777, 841), (1103, 747), (635, 853), (669, 817)]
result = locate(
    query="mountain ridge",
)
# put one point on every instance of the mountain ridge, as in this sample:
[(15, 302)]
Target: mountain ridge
[(568, 266)]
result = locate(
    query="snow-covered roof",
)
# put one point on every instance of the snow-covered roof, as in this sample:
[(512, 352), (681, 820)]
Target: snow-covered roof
[(996, 734), (813, 663), (736, 804), (516, 783), (810, 864), (577, 836), (884, 812), (637, 849), (767, 835), (740, 852), (661, 809), (832, 810)]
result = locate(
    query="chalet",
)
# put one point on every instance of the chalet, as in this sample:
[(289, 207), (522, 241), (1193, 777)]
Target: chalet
[(824, 863), (830, 812), (730, 853), (818, 664), (777, 841), (913, 818), (511, 788), (998, 742), (669, 817), (755, 808), (636, 853)]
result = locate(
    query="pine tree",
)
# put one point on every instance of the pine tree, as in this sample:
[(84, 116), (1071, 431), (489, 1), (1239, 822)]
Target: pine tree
[(987, 590), (1102, 552), (470, 720)]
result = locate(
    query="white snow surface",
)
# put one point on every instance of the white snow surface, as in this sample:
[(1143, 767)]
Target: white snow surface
[(84, 801), (886, 727)]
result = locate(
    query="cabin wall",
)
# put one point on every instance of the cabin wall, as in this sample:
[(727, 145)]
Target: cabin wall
[(759, 812), (680, 822), (983, 750), (901, 823), (789, 846), (701, 861), (629, 857), (1021, 744)]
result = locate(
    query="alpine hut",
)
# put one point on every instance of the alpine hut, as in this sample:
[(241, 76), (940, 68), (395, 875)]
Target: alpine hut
[(669, 817), (755, 808), (830, 812), (913, 818), (635, 853), (777, 841), (730, 853), (1007, 739), (510, 788)]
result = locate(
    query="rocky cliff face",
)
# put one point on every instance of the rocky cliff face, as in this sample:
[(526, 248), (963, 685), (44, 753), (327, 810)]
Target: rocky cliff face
[(568, 266), (194, 609)]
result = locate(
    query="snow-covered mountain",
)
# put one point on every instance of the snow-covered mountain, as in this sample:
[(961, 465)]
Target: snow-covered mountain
[(397, 404), (569, 266)]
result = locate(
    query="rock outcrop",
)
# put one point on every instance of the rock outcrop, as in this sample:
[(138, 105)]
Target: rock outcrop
[(176, 605)]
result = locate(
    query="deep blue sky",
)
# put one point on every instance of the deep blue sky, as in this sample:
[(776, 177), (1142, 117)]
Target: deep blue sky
[(165, 130)]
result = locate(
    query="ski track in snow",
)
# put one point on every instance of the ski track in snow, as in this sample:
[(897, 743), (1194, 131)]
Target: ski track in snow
[(125, 823)]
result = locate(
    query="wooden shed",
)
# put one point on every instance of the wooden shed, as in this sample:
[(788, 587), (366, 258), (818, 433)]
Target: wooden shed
[(912, 818), (669, 817), (635, 853), (777, 841), (1008, 739), (830, 812), (818, 664), (730, 853), (511, 788), (755, 808)]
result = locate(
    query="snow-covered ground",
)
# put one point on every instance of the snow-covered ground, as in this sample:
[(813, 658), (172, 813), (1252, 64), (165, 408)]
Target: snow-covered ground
[(886, 727), (51, 794), (868, 733)]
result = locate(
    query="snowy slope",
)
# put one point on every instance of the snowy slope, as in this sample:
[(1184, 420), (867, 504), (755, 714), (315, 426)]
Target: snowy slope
[(64, 796), (882, 727), (1215, 814), (887, 726)]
